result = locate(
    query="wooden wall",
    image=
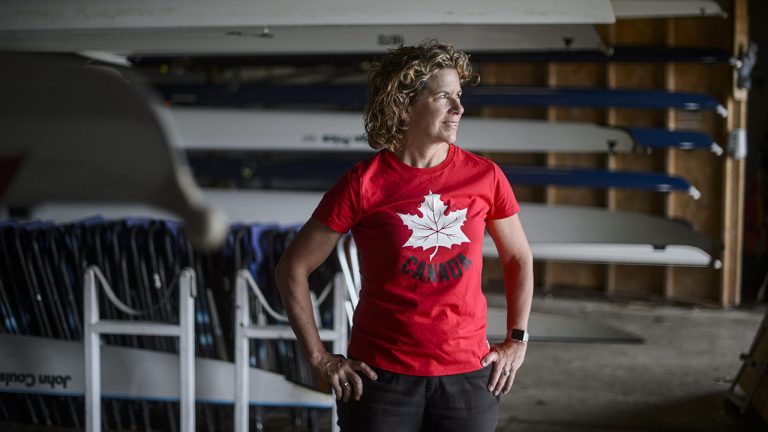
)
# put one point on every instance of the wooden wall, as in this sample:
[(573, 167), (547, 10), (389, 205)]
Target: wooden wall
[(719, 211)]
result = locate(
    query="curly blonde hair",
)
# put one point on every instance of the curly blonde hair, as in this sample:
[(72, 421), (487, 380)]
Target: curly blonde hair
[(396, 80)]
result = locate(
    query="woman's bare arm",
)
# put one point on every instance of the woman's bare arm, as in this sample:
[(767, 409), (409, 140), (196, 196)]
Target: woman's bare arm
[(312, 245), (517, 264)]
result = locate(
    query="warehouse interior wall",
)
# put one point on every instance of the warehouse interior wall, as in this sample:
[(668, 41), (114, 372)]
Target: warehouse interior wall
[(720, 211), (755, 242)]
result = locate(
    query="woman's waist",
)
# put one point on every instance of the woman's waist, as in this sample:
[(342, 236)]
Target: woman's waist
[(438, 322)]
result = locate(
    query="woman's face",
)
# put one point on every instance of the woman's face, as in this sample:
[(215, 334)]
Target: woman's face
[(435, 114)]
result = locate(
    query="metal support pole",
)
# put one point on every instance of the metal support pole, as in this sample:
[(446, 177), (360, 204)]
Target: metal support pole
[(92, 341), (187, 294), (341, 325), (242, 322), (94, 327), (246, 330)]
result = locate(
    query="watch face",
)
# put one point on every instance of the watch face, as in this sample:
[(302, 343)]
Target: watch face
[(519, 335)]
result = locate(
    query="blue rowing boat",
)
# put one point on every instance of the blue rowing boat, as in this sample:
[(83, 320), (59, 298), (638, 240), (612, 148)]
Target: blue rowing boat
[(292, 130), (543, 176), (311, 171), (616, 54), (354, 97), (657, 138)]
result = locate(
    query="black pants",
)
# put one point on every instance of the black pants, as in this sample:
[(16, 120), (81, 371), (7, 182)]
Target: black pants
[(405, 403)]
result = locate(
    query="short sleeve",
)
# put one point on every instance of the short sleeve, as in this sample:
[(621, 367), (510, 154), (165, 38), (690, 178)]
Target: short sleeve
[(504, 202), (339, 209)]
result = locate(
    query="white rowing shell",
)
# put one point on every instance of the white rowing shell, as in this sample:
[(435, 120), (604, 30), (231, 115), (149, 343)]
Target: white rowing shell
[(233, 129), (666, 8), (87, 134), (555, 233), (164, 14), (295, 40), (38, 365)]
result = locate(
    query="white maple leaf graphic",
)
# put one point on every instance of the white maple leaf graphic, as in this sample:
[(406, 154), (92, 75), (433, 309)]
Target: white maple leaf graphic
[(435, 228)]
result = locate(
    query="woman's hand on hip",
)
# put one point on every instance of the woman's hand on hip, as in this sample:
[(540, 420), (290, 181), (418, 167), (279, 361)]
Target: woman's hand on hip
[(341, 373), (507, 358)]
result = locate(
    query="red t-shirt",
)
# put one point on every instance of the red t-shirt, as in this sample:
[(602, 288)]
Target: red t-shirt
[(420, 236)]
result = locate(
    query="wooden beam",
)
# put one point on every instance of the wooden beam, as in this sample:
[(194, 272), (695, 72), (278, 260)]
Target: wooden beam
[(586, 276), (636, 281), (522, 74), (703, 169), (734, 173)]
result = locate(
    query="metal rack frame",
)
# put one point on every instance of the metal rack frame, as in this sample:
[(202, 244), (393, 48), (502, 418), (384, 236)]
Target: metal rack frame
[(94, 327), (245, 329), (742, 399)]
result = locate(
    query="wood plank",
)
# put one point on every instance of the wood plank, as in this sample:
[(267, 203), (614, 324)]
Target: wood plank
[(699, 32), (584, 75), (643, 282), (637, 32), (514, 74), (584, 276), (734, 178), (587, 277), (706, 171), (522, 192), (625, 280)]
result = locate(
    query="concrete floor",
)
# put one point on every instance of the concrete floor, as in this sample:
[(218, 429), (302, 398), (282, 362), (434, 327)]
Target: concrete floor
[(675, 381)]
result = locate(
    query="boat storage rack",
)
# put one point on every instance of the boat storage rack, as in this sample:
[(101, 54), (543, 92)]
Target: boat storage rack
[(245, 330), (94, 327)]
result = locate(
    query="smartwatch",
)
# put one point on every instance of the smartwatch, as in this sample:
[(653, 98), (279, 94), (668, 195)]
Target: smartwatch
[(518, 335)]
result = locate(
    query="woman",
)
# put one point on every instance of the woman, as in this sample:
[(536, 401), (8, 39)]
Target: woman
[(418, 210)]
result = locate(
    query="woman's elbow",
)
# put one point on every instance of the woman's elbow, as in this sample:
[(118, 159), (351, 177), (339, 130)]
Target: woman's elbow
[(526, 255), (283, 275), (520, 257)]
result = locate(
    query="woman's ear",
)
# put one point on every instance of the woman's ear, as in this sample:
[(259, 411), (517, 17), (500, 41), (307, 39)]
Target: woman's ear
[(412, 103), (408, 111)]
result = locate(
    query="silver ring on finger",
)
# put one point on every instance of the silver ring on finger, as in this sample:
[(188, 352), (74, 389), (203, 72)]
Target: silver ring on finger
[(505, 372), (345, 384)]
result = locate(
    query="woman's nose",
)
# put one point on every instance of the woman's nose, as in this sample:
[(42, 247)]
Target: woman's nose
[(457, 107)]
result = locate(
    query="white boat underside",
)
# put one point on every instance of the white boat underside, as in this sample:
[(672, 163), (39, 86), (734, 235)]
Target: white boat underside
[(666, 8), (137, 373), (555, 233), (163, 14), (295, 40), (248, 129)]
